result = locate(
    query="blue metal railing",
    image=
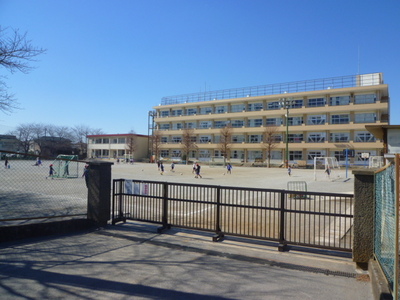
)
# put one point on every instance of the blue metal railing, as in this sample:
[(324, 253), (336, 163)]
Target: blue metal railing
[(280, 88)]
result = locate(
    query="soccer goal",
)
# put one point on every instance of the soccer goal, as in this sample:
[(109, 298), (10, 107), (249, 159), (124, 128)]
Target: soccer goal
[(326, 167), (216, 161), (128, 158), (66, 166), (376, 161)]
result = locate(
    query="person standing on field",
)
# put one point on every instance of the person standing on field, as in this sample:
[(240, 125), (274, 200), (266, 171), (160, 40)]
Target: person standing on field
[(328, 172), (86, 175), (194, 168), (162, 168), (51, 171), (198, 171)]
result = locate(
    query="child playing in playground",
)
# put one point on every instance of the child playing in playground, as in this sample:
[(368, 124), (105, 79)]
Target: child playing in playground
[(86, 175), (198, 171), (229, 168), (328, 171), (161, 168), (51, 171)]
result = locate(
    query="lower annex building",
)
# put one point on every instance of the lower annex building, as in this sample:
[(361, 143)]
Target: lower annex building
[(313, 118), (118, 146)]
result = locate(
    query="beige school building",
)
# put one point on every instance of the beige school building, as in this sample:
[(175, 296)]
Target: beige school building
[(314, 118)]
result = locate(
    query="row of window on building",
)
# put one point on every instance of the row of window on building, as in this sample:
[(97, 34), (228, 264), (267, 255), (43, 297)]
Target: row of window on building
[(107, 141), (296, 103), (311, 137), (277, 155), (319, 119), (105, 153)]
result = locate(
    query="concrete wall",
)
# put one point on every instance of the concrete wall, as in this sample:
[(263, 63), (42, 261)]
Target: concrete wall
[(364, 195)]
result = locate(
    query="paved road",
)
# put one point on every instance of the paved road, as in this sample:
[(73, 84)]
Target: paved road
[(131, 261)]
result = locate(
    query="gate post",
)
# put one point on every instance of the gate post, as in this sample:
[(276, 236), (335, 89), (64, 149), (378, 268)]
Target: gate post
[(364, 203), (282, 243), (219, 234), (164, 217), (99, 192)]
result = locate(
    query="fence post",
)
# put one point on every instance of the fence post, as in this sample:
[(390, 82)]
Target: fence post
[(113, 204), (99, 192), (282, 243), (164, 217), (219, 234), (121, 214), (364, 203), (117, 206)]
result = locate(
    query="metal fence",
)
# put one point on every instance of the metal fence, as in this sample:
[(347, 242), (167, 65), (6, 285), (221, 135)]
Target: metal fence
[(386, 246), (29, 194), (322, 220)]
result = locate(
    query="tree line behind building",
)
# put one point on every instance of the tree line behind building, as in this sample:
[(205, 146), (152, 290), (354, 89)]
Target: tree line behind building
[(48, 140)]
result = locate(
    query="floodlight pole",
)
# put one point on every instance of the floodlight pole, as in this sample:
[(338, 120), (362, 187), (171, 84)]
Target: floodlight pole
[(285, 103)]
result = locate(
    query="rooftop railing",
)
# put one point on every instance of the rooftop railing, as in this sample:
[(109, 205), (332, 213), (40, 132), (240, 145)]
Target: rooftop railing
[(279, 88)]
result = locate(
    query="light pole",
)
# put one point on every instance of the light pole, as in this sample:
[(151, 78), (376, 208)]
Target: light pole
[(286, 103)]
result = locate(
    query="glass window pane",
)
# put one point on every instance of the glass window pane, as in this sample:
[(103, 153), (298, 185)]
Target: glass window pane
[(315, 102), (339, 100), (365, 99)]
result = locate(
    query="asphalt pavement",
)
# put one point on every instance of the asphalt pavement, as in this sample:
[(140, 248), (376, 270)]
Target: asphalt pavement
[(132, 261)]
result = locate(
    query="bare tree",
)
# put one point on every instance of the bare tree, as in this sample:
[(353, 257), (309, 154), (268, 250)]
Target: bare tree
[(156, 143), (33, 134), (7, 101), (188, 142), (79, 137), (53, 138), (16, 52), (63, 132), (25, 136), (131, 142), (39, 130), (269, 142), (225, 141)]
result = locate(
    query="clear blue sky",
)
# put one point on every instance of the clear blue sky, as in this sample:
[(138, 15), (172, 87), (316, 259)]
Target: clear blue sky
[(109, 62)]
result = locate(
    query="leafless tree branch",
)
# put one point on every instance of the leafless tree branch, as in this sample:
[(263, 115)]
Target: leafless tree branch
[(16, 51), (16, 54), (269, 141)]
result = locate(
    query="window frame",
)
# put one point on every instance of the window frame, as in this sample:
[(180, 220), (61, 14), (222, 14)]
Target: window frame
[(340, 119), (316, 102)]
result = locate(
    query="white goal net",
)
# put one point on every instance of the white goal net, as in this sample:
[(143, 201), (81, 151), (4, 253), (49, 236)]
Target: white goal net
[(66, 166), (326, 168), (376, 161), (216, 161)]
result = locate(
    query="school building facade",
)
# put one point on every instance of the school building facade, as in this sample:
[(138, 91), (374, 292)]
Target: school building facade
[(314, 118), (118, 146)]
